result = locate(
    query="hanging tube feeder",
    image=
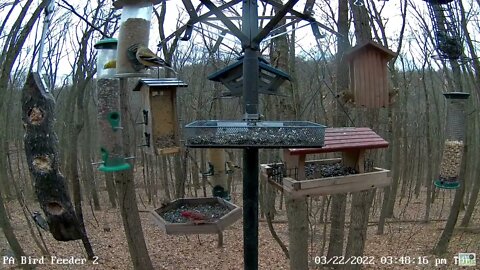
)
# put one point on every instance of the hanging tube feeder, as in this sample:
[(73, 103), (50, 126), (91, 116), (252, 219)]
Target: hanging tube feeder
[(446, 28), (134, 29), (454, 141)]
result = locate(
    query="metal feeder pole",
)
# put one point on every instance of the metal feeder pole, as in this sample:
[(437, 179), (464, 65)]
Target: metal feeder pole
[(250, 155)]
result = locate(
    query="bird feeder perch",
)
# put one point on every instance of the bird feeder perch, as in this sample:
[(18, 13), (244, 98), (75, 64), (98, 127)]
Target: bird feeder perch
[(454, 141), (217, 214), (270, 78), (106, 57), (160, 117), (134, 29), (368, 74)]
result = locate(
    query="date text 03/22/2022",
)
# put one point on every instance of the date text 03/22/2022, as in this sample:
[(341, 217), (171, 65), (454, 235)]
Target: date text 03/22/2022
[(30, 260)]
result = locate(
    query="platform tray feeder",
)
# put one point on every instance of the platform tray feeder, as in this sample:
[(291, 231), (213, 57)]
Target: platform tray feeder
[(255, 134), (300, 178), (318, 185), (219, 214)]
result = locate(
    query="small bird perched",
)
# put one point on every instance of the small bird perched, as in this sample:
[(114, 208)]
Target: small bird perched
[(145, 58), (110, 64), (195, 217), (40, 221)]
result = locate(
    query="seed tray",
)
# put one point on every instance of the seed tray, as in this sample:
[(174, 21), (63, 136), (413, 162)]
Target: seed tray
[(218, 212), (257, 134)]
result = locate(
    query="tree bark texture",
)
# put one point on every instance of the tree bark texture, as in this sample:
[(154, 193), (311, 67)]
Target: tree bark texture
[(127, 196), (38, 107), (442, 244), (357, 235), (339, 201), (298, 233)]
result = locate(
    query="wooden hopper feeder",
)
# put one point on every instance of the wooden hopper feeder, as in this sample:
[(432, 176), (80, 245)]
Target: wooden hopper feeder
[(231, 76), (352, 142), (172, 223), (368, 74), (160, 114)]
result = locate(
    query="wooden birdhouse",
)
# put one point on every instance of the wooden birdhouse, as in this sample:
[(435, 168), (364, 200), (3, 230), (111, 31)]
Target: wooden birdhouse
[(160, 118), (368, 74)]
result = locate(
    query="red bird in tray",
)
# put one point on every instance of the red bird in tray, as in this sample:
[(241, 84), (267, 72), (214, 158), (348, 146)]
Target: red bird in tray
[(194, 216)]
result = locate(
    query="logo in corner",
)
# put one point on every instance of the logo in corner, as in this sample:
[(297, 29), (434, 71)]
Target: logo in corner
[(467, 259)]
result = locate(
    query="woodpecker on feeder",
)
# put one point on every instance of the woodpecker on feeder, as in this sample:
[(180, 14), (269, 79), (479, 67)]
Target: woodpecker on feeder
[(40, 221)]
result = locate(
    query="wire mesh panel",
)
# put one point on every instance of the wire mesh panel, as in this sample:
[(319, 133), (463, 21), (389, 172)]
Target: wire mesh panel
[(454, 142), (259, 134), (446, 27)]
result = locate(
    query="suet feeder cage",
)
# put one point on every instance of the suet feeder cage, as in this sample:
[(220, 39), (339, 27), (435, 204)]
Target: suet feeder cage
[(134, 29), (217, 214), (270, 78), (255, 134), (446, 27), (369, 75), (106, 57), (160, 119), (454, 141)]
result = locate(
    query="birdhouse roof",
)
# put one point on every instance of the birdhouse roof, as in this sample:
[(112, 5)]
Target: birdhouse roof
[(345, 139), (362, 48), (159, 83), (263, 65)]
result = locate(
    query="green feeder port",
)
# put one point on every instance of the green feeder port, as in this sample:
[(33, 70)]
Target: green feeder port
[(112, 164), (447, 184), (114, 120)]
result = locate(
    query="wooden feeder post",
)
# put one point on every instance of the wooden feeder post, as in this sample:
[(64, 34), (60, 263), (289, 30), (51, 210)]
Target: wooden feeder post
[(160, 119), (368, 74)]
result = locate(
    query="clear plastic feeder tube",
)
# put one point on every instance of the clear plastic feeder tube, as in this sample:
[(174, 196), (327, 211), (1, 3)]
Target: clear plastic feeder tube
[(134, 29), (106, 57)]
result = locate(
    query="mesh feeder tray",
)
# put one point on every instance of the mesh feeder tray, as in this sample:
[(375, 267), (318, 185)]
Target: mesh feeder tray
[(257, 134), (217, 214)]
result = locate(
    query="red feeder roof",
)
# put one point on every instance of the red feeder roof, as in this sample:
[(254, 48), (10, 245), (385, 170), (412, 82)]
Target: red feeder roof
[(345, 139)]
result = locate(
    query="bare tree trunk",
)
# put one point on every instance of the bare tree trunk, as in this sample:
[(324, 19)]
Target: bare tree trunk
[(42, 157), (476, 184), (297, 232), (442, 245), (339, 201), (127, 196), (8, 231), (359, 214)]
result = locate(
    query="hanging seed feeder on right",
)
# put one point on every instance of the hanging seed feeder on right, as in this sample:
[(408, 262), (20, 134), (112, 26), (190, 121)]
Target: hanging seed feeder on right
[(454, 141)]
